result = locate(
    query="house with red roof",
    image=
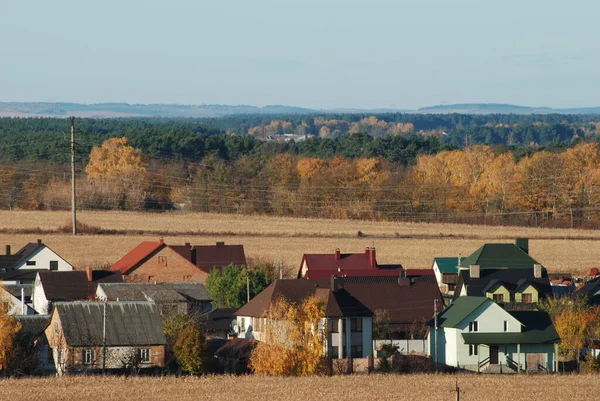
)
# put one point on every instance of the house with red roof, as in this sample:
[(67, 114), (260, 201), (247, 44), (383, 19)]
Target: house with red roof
[(157, 261)]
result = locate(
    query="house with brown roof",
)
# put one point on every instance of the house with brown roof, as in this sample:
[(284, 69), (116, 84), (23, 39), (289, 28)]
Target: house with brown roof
[(96, 336), (51, 287), (351, 303), (156, 261), (324, 265), (21, 267)]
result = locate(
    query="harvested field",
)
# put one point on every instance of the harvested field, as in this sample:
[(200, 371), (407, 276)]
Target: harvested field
[(274, 238), (248, 388)]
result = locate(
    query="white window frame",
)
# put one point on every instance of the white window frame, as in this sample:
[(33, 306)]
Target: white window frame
[(473, 349), (89, 356), (145, 355), (505, 325), (474, 326)]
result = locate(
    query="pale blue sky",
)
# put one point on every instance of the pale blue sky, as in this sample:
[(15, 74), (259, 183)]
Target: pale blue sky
[(318, 54)]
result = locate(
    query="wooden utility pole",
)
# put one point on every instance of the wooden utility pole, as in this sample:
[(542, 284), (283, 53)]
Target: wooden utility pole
[(457, 390), (73, 197), (435, 335), (104, 340), (248, 284)]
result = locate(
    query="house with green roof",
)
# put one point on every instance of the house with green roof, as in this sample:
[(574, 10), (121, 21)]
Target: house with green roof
[(505, 273), (477, 334), (446, 273)]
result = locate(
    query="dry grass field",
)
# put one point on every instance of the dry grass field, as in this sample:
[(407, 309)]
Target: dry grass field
[(274, 238), (249, 388)]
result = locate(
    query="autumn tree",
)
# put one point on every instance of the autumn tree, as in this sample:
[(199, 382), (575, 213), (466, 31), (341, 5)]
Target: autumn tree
[(293, 339), (191, 350), (9, 327)]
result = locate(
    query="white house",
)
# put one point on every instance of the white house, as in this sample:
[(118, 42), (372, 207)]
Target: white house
[(476, 334), (33, 256), (16, 299)]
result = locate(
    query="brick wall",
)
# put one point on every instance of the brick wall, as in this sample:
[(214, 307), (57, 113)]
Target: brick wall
[(167, 266)]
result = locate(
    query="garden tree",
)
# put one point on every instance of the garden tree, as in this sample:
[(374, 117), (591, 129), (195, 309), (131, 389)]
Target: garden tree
[(293, 341), (173, 325), (382, 329), (191, 350), (9, 327), (228, 286)]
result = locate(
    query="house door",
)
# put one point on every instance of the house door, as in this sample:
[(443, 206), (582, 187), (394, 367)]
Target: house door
[(494, 354)]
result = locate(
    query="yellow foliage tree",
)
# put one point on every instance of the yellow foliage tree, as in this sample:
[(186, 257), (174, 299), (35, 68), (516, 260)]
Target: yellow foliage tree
[(9, 327), (115, 158), (293, 342)]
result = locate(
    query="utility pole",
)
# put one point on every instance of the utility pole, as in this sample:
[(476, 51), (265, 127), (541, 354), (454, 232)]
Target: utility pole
[(248, 285), (73, 198), (435, 334), (280, 269), (457, 390), (104, 340)]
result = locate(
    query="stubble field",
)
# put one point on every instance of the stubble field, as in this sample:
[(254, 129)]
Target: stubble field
[(359, 387), (274, 238)]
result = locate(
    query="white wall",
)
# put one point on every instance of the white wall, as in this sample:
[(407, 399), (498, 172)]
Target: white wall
[(42, 258), (40, 303)]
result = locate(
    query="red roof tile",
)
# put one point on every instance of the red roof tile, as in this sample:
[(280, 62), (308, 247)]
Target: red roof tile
[(136, 256)]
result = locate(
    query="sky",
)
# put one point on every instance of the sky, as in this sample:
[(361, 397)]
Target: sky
[(401, 54)]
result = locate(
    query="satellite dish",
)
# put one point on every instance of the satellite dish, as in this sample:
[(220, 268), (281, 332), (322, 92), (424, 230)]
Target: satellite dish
[(235, 327)]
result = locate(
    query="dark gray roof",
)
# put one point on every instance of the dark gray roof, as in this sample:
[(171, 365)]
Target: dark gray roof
[(15, 289), (159, 292), (127, 323), (32, 326), (8, 262), (511, 279)]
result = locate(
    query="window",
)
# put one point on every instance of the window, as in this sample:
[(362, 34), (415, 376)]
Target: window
[(88, 356), (151, 279), (474, 326), (473, 348), (356, 351), (55, 327), (187, 278), (506, 325), (356, 324), (54, 265), (145, 355), (242, 325), (332, 325), (527, 298), (498, 297), (334, 352), (30, 263)]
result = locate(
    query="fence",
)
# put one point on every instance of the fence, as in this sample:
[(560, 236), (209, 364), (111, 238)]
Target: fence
[(404, 346)]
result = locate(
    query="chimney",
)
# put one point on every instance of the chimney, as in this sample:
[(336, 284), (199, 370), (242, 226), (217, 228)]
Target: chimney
[(474, 271), (336, 283), (372, 260), (193, 255), (161, 240), (220, 244), (338, 255), (537, 270), (188, 244), (523, 243), (39, 242), (89, 274), (7, 250)]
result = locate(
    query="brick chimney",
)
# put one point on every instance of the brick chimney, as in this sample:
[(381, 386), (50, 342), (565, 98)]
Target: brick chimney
[(39, 242), (188, 244), (161, 240), (7, 250), (336, 283), (193, 255), (474, 271), (537, 270), (338, 255), (220, 244), (89, 274), (372, 260)]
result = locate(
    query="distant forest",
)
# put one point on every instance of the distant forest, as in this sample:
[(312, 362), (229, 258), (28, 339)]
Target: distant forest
[(492, 169)]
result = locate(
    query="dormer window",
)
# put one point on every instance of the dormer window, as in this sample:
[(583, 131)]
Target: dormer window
[(498, 298), (527, 298)]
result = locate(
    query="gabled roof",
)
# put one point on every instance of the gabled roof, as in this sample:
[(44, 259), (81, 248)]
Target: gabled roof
[(459, 309), (9, 262), (499, 256), (512, 279), (346, 264), (159, 292), (447, 265), (208, 257), (537, 328), (136, 256), (127, 323), (74, 285), (32, 326)]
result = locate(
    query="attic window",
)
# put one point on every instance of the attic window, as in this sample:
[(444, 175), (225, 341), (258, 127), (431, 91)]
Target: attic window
[(498, 297), (527, 298), (506, 325), (30, 263), (474, 326), (54, 265)]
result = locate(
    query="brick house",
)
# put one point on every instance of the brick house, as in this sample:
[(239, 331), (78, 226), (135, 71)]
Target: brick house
[(323, 265), (133, 337), (156, 261)]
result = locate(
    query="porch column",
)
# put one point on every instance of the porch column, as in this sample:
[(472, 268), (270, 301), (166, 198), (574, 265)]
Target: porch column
[(341, 338), (518, 358), (478, 357), (556, 357)]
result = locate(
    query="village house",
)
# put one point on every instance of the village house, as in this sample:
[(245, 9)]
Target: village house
[(218, 323), (51, 287), (22, 266), (446, 273), (322, 266), (156, 261), (17, 298), (184, 298), (505, 273), (476, 334), (96, 336), (349, 322)]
